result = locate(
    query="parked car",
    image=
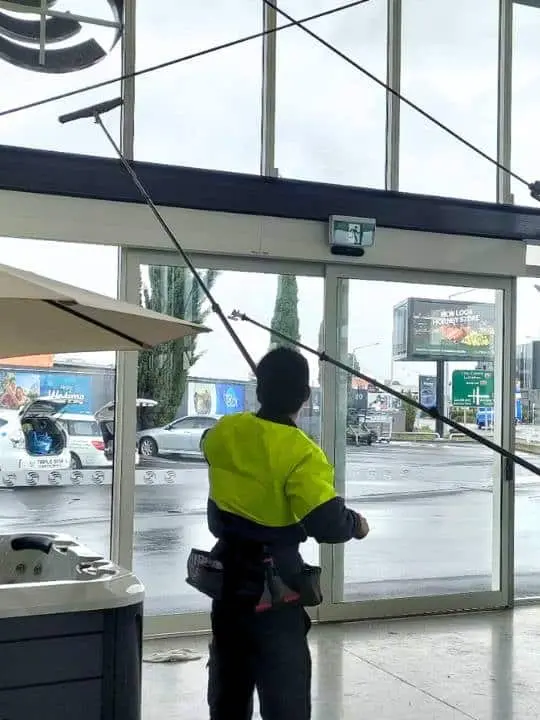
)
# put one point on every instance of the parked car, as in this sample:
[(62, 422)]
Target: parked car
[(85, 441), (105, 419), (32, 438), (361, 435), (180, 437)]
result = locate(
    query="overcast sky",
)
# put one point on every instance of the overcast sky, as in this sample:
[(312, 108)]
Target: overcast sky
[(330, 127)]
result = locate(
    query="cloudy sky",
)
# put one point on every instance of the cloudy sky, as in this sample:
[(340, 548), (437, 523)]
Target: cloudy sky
[(330, 127)]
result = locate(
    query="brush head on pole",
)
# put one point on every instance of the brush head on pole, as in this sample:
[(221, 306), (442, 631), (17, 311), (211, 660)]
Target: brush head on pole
[(91, 111)]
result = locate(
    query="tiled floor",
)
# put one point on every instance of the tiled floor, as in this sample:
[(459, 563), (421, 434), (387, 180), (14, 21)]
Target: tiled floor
[(478, 666)]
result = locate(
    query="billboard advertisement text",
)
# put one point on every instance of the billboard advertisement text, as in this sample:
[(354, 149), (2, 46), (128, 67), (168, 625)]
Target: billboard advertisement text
[(444, 330), (76, 389)]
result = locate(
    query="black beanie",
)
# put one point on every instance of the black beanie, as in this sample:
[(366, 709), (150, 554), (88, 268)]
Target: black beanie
[(282, 381)]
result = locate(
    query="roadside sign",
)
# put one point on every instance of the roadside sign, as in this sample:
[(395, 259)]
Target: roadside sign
[(427, 390), (472, 388)]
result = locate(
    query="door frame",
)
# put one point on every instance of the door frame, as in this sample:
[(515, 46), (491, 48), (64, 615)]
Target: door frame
[(332, 557), (124, 464)]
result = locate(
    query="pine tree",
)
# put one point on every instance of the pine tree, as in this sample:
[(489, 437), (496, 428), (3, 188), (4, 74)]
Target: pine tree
[(285, 318), (163, 370)]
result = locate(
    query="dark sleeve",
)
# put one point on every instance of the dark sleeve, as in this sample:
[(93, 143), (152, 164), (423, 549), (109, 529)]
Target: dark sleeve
[(332, 522)]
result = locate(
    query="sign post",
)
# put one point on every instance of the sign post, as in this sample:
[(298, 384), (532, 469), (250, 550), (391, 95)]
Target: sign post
[(472, 388)]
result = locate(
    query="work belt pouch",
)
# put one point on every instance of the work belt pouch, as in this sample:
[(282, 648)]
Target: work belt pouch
[(308, 585), (225, 577), (205, 573), (276, 593)]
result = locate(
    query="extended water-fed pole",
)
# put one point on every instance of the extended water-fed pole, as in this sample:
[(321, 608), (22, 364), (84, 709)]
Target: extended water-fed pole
[(433, 412), (95, 111)]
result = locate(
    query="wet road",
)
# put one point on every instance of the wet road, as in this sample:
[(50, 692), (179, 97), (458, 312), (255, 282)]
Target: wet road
[(430, 509)]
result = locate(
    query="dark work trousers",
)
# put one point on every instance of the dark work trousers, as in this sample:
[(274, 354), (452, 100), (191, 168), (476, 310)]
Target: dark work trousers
[(265, 651)]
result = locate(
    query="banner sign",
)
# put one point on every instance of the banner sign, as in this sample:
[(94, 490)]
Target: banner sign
[(443, 330)]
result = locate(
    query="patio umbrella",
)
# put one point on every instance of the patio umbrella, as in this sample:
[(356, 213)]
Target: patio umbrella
[(38, 316)]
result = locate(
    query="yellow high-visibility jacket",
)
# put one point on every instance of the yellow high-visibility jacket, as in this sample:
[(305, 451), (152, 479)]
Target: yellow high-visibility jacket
[(270, 483)]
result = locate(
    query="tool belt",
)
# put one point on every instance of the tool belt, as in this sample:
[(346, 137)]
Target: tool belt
[(252, 579)]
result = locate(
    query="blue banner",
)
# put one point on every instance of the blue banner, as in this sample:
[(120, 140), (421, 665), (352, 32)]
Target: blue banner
[(76, 389), (230, 398), (427, 390)]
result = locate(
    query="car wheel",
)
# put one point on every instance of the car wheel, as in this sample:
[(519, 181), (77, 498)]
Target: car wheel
[(75, 463), (148, 447)]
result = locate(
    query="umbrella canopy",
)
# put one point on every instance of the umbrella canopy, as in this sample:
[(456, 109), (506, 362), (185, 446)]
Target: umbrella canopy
[(38, 315)]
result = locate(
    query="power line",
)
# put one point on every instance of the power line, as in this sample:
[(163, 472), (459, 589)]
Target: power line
[(414, 106), (178, 60)]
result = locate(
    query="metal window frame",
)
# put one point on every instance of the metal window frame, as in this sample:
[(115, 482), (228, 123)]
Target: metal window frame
[(268, 96), (332, 558), (122, 525), (393, 103), (504, 533), (190, 622), (123, 493), (504, 101)]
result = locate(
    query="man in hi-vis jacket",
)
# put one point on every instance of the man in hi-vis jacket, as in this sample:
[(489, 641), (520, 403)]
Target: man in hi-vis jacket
[(271, 487)]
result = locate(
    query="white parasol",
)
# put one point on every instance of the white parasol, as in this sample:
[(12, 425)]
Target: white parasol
[(39, 316)]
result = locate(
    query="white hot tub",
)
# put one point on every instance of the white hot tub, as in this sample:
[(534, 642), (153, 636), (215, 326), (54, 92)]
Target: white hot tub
[(70, 632)]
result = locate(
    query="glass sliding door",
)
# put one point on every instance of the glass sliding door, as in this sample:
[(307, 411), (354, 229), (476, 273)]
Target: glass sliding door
[(193, 384), (434, 500), (527, 485)]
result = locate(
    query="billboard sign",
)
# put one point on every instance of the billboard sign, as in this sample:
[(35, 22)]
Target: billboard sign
[(18, 387), (230, 398), (358, 399), (216, 398), (201, 398), (76, 389), (427, 390), (472, 388), (443, 330)]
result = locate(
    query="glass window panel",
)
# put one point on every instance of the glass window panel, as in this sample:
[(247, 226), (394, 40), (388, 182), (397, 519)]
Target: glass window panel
[(330, 118), (39, 127), (432, 499), (66, 487), (204, 112), (171, 478), (449, 69), (525, 100), (527, 534)]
